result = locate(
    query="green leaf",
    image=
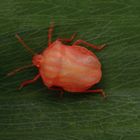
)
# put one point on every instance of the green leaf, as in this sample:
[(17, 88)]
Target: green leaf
[(36, 113)]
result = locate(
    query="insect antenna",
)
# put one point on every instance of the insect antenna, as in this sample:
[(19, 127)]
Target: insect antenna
[(19, 69), (26, 66), (24, 44)]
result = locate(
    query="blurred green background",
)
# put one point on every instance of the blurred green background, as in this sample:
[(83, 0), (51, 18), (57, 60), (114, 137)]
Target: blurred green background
[(36, 113)]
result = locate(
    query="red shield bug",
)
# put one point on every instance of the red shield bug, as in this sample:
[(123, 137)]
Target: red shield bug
[(71, 68)]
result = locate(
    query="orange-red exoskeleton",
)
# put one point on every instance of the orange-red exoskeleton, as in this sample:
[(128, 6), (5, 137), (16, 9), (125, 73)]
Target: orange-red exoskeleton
[(70, 68)]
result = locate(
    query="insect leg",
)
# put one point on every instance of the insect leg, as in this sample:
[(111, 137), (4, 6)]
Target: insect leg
[(68, 39), (99, 91), (29, 81), (88, 44), (50, 33)]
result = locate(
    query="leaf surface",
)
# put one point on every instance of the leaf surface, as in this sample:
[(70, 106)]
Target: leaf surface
[(36, 113)]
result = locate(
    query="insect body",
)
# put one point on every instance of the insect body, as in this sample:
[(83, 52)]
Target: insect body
[(71, 68)]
